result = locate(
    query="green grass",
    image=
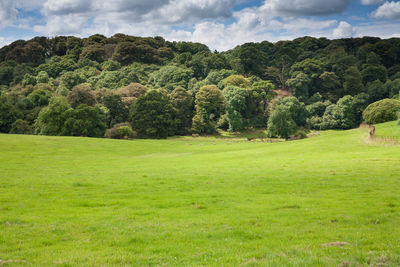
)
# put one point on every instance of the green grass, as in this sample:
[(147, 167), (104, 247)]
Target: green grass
[(388, 129), (191, 202)]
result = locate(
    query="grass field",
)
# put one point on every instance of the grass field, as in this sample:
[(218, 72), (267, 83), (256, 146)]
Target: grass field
[(388, 129), (190, 202)]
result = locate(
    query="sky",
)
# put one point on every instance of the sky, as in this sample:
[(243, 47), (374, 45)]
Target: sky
[(220, 24)]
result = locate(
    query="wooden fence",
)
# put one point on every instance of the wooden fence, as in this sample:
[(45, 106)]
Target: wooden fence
[(383, 139)]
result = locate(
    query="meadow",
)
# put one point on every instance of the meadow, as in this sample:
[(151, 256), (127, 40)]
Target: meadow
[(328, 200)]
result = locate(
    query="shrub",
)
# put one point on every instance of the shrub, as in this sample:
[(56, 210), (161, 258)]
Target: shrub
[(381, 111), (120, 131), (21, 127)]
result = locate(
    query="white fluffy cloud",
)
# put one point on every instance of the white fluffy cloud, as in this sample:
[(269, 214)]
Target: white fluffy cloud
[(344, 30), (8, 13), (213, 22), (389, 10)]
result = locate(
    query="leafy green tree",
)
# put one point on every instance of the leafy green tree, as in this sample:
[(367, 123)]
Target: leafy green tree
[(259, 94), (371, 73), (39, 97), (8, 114), (382, 111), (50, 120), (183, 103), (153, 115), (296, 108), (352, 81), (209, 105), (94, 52), (330, 86), (69, 79), (300, 85), (118, 112), (28, 80), (170, 77), (81, 94), (110, 65), (21, 127), (235, 102), (237, 80), (130, 93), (376, 91), (281, 123), (42, 77), (83, 121)]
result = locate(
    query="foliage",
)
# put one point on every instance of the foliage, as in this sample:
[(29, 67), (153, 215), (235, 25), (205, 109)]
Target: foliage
[(382, 111), (81, 94), (235, 103), (153, 115), (8, 114), (281, 123), (21, 127), (83, 121), (236, 80), (170, 77), (183, 103), (120, 131), (117, 111), (209, 106), (50, 120)]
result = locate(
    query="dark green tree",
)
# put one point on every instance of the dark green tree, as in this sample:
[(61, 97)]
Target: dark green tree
[(84, 121), (153, 115)]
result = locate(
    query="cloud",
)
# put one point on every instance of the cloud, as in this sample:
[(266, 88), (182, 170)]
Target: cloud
[(371, 2), (389, 10), (306, 7), (8, 13), (344, 30), (88, 15)]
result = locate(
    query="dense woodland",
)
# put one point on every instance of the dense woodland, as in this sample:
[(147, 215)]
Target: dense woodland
[(126, 86)]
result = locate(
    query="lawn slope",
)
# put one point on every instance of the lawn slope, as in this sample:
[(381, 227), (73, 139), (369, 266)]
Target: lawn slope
[(83, 201)]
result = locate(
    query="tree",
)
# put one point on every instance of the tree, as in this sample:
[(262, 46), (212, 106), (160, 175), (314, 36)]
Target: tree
[(153, 115), (300, 85), (8, 114), (296, 108), (382, 111), (237, 80), (131, 92), (281, 123), (39, 97), (83, 121), (21, 127), (352, 81), (50, 120), (209, 105), (81, 94), (94, 52), (376, 91), (118, 112), (170, 77), (258, 96), (183, 103), (235, 102)]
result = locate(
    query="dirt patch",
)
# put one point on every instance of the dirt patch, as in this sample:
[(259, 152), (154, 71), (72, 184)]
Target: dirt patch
[(335, 244), (250, 261)]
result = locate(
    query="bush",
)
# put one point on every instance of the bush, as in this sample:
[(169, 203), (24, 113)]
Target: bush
[(120, 131), (21, 127), (382, 111)]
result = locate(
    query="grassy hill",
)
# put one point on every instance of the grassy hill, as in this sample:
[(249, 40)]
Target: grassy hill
[(83, 201)]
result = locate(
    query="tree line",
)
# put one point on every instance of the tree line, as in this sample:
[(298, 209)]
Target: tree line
[(127, 86)]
